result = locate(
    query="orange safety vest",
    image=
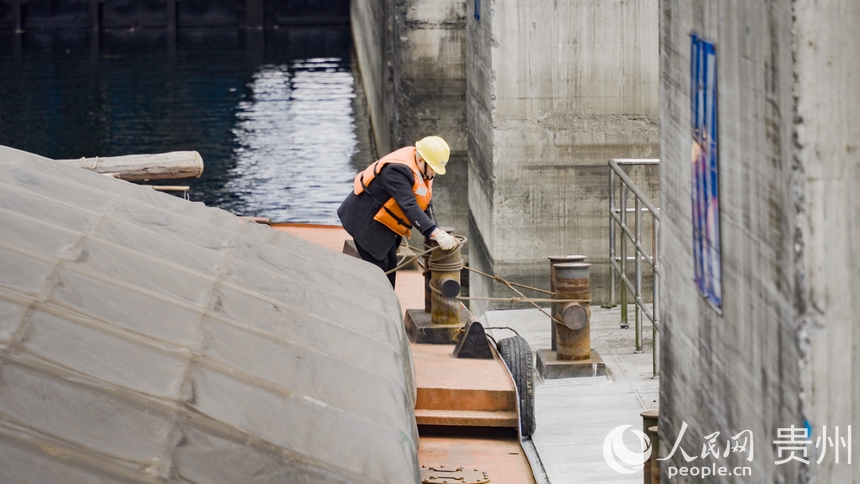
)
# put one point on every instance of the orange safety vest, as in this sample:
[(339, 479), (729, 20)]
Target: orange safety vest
[(390, 214)]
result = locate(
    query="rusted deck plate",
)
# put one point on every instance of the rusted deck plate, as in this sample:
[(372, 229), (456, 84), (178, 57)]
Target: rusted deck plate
[(502, 458)]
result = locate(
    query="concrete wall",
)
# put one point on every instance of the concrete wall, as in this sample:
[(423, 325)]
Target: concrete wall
[(827, 174), (429, 94), (412, 61), (784, 349), (371, 31), (554, 90)]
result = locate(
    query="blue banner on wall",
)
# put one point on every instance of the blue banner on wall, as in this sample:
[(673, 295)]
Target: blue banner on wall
[(704, 168)]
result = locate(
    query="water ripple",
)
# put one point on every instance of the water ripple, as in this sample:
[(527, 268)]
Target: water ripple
[(279, 126)]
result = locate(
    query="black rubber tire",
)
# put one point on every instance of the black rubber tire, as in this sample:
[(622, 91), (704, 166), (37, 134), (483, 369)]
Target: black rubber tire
[(517, 355)]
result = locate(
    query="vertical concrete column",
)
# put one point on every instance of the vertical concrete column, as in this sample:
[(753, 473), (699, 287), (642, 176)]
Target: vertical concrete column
[(554, 90), (574, 336), (428, 92)]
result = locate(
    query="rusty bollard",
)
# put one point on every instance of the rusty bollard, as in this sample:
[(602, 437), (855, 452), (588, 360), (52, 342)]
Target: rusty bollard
[(444, 283), (573, 356), (443, 318), (649, 419), (574, 335), (428, 244), (553, 260), (653, 434)]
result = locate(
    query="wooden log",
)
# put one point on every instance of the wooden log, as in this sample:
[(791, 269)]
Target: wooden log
[(259, 220), (176, 164), (168, 188)]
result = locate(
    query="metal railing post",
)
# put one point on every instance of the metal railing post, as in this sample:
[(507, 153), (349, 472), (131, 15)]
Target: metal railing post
[(618, 265), (655, 351), (612, 295), (623, 262), (637, 264)]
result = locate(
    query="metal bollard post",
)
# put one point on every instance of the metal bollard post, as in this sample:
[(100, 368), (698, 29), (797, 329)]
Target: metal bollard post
[(572, 318), (653, 434), (445, 268), (428, 243), (649, 419), (443, 318), (574, 336), (556, 308)]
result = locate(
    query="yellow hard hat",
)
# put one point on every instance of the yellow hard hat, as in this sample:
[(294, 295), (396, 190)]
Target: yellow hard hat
[(435, 152)]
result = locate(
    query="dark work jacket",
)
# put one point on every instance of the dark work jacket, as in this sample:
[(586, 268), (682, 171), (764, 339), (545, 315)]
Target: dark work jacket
[(357, 211)]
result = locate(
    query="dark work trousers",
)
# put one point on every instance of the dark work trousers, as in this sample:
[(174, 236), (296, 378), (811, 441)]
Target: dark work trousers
[(386, 265)]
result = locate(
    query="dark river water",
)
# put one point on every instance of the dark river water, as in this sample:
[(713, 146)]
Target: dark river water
[(277, 116)]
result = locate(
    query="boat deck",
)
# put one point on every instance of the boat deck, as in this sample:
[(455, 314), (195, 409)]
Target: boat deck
[(466, 409), (573, 415)]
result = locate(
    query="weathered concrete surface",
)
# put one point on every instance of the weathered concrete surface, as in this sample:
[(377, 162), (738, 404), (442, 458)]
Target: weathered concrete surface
[(412, 61), (784, 350), (826, 182), (553, 90), (371, 33), (574, 415)]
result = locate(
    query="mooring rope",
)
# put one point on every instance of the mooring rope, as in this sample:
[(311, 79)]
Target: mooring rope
[(499, 279), (450, 267), (409, 260), (456, 266), (523, 297)]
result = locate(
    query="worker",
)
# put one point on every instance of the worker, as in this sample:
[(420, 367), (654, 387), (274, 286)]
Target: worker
[(390, 197)]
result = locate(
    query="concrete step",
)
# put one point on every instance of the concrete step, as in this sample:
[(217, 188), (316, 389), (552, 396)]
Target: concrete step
[(467, 418)]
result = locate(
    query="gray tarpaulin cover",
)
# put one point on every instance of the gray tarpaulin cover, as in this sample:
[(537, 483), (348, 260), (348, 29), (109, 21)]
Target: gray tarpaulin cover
[(144, 338)]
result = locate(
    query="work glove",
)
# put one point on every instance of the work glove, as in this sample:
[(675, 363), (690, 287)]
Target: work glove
[(445, 240)]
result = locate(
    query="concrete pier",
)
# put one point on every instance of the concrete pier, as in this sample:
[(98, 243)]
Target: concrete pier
[(413, 68), (534, 99), (553, 91)]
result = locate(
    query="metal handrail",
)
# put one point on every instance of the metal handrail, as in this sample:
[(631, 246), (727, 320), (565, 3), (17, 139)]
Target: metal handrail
[(618, 263)]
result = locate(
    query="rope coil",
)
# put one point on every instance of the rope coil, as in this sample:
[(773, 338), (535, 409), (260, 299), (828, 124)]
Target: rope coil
[(446, 266), (441, 267)]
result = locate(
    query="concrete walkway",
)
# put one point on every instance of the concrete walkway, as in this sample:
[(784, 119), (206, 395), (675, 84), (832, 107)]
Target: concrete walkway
[(575, 415)]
